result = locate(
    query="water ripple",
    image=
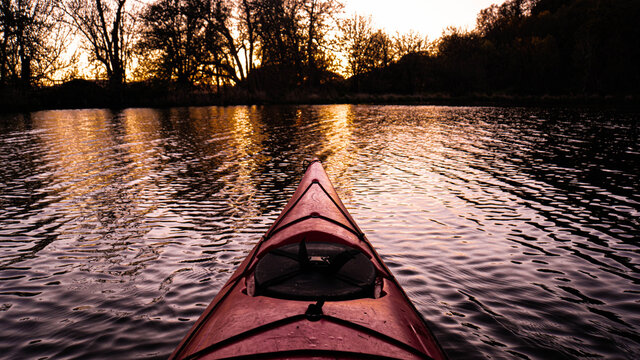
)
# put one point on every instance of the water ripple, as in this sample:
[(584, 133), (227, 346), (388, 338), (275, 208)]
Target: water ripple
[(514, 231)]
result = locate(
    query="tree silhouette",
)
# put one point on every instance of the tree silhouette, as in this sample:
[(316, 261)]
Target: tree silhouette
[(356, 36), (409, 43), (534, 47), (195, 42), (248, 32), (177, 42), (293, 42), (272, 48), (318, 21), (366, 48), (107, 28), (32, 42), (279, 33)]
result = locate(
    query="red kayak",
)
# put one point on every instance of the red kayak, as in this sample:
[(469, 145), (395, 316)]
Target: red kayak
[(313, 287)]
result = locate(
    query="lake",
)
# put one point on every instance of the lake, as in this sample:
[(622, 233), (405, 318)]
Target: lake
[(513, 230)]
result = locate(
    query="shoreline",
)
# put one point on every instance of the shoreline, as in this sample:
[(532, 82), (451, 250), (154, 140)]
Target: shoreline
[(20, 101)]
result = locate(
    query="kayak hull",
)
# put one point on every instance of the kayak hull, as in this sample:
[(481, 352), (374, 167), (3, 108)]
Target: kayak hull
[(240, 322)]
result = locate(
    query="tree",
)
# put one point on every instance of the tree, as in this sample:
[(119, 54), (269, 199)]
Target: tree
[(356, 33), (174, 44), (223, 24), (366, 49), (279, 32), (196, 42), (410, 43), (294, 38), (248, 32), (107, 29), (318, 21), (501, 20), (32, 42), (379, 52), (461, 61)]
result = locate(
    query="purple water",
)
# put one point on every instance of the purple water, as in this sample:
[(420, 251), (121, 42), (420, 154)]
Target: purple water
[(514, 231)]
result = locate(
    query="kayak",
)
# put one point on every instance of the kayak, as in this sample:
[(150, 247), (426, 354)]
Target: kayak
[(312, 287)]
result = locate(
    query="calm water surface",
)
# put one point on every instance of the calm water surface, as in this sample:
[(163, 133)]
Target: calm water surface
[(514, 231)]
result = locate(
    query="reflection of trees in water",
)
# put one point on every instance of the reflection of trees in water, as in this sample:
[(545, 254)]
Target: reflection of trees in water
[(123, 222), (104, 199)]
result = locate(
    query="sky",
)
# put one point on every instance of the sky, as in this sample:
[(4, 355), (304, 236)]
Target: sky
[(428, 17)]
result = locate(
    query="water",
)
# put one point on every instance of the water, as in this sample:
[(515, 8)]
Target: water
[(514, 231)]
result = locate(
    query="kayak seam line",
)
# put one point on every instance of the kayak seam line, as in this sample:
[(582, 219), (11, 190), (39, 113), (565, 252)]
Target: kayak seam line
[(378, 334), (284, 214), (294, 318), (356, 230), (344, 213), (362, 237), (236, 280), (249, 332)]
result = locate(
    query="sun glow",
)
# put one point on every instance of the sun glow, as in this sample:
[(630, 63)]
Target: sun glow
[(425, 17), (428, 17)]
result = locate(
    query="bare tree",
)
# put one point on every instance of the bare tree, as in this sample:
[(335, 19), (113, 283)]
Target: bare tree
[(187, 40), (409, 43), (222, 23), (248, 32), (318, 21), (365, 48), (356, 36), (32, 42), (293, 35), (107, 29), (173, 45), (279, 32), (379, 51)]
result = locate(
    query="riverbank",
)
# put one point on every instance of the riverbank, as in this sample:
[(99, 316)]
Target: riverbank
[(86, 94)]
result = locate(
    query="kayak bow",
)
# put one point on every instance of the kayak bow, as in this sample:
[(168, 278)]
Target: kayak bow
[(313, 286)]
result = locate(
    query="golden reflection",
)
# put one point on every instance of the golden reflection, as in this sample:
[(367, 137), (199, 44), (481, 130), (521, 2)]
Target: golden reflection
[(248, 138), (235, 135), (75, 142), (80, 150), (142, 129), (337, 151), (299, 118)]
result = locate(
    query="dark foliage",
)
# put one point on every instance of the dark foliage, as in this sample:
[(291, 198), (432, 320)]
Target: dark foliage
[(528, 47), (194, 52)]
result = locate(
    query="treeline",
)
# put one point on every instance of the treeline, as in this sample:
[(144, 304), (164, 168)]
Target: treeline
[(258, 44), (528, 47), (271, 48)]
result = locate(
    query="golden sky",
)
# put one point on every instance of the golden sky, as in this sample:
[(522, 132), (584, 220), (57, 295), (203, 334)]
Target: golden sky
[(428, 17)]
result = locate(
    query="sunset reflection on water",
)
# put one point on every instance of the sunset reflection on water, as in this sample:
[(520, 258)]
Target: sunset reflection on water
[(512, 230)]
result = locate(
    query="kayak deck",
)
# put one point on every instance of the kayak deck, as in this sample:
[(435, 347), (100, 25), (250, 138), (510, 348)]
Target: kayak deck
[(313, 286)]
